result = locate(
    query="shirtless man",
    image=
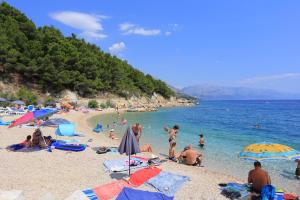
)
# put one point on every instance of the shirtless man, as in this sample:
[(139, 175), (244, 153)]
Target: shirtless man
[(258, 178), (297, 172), (190, 156), (137, 131)]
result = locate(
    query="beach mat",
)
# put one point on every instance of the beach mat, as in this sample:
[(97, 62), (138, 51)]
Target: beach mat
[(11, 195), (119, 165), (110, 190), (167, 183), (129, 194), (77, 195), (89, 193), (141, 176)]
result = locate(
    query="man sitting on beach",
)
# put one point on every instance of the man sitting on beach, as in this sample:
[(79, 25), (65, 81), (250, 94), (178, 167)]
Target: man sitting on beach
[(258, 178), (190, 156), (297, 172)]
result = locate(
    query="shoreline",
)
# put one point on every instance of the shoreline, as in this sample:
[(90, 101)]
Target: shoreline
[(118, 141), (60, 173)]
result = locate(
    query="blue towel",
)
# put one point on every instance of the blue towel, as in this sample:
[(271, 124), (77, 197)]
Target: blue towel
[(129, 193), (90, 194), (167, 183)]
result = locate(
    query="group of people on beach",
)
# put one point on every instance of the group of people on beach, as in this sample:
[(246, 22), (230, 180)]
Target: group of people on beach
[(188, 155), (37, 140)]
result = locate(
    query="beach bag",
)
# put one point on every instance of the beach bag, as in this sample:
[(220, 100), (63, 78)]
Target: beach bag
[(154, 161), (231, 193), (268, 192)]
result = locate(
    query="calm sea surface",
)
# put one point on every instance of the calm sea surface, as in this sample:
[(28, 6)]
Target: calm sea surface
[(228, 126)]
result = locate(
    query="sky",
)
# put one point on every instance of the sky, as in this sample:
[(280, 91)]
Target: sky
[(249, 43)]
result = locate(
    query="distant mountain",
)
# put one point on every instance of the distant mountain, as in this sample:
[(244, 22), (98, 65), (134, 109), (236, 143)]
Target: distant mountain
[(181, 94), (211, 92)]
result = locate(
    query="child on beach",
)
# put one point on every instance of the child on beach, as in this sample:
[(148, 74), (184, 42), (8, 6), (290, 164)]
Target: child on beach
[(27, 143), (201, 141), (172, 152), (112, 134)]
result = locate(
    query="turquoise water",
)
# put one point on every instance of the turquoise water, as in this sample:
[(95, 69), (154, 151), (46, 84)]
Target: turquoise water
[(228, 126)]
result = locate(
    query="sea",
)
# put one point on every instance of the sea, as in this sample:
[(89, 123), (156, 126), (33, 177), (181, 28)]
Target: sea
[(227, 126)]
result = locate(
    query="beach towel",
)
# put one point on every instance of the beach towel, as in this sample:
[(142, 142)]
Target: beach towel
[(90, 194), (129, 194), (167, 183), (119, 165), (69, 147), (77, 195), (11, 195), (110, 190), (235, 190), (141, 176)]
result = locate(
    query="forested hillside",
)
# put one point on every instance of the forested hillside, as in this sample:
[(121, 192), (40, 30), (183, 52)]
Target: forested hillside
[(43, 58)]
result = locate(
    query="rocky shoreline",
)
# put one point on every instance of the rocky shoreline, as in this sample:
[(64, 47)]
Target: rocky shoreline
[(132, 104)]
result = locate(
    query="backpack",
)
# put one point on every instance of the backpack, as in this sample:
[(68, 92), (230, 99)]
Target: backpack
[(268, 192)]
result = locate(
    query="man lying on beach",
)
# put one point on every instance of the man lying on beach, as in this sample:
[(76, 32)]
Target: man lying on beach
[(258, 178), (190, 156), (146, 148)]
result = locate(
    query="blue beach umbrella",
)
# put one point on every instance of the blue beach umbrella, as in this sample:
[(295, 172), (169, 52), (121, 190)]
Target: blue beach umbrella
[(3, 100), (18, 102), (268, 151), (37, 114)]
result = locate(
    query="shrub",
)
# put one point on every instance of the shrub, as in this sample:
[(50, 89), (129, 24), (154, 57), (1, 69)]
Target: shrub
[(102, 105), (26, 95), (48, 100), (110, 104), (93, 104)]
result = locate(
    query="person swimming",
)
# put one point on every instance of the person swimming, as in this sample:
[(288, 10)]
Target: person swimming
[(201, 141)]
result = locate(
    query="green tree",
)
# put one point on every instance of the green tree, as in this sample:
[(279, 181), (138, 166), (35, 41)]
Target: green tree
[(93, 104)]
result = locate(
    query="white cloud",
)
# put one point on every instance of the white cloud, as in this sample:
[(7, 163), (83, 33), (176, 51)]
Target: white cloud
[(90, 35), (128, 29), (167, 33), (89, 24), (261, 79), (117, 48)]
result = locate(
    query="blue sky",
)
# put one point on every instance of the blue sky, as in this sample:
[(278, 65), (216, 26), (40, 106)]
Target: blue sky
[(249, 43)]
